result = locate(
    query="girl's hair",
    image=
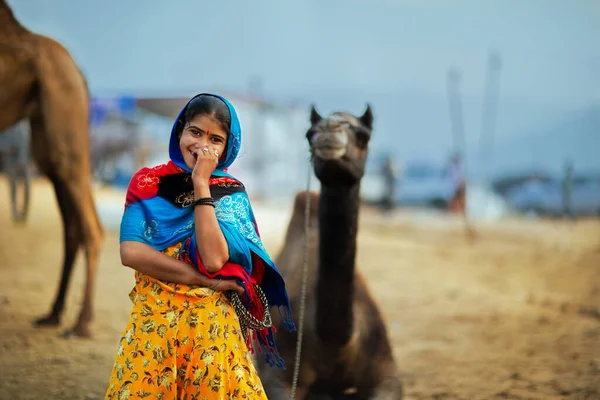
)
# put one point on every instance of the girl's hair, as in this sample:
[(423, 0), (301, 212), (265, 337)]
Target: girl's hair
[(205, 104)]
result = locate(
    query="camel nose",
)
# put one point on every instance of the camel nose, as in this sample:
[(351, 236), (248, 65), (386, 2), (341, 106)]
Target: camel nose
[(329, 140), (332, 139), (329, 145)]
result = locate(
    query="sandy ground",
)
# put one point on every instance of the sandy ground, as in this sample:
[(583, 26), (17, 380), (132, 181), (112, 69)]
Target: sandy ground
[(512, 315)]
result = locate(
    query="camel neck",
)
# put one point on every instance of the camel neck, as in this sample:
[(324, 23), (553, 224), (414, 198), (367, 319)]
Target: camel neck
[(338, 223)]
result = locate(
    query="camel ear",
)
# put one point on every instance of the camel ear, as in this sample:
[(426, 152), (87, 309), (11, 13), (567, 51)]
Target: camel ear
[(315, 117), (367, 118)]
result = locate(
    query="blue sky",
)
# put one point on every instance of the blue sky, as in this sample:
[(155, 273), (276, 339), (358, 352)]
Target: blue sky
[(342, 53)]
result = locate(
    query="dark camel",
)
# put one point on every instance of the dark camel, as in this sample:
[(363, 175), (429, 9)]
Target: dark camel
[(346, 351), (40, 82)]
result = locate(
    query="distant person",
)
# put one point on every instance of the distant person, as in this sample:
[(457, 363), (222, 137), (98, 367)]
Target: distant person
[(389, 172), (567, 189), (458, 201), (189, 233)]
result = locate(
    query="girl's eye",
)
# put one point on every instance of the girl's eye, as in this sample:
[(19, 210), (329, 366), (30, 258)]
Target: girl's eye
[(217, 140), (195, 132)]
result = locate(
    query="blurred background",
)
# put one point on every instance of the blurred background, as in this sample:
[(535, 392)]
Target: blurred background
[(501, 98), (513, 88)]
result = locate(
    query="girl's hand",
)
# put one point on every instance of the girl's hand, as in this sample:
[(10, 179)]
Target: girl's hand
[(207, 159), (230, 284)]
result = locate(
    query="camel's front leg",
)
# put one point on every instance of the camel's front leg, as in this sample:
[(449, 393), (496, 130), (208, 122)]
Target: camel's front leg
[(72, 242), (66, 204)]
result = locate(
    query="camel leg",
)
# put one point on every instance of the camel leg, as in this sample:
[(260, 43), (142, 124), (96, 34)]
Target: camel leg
[(390, 389), (72, 243), (87, 226), (92, 235), (81, 222)]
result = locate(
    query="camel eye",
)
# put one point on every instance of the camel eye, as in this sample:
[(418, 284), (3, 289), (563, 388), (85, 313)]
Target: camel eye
[(362, 138)]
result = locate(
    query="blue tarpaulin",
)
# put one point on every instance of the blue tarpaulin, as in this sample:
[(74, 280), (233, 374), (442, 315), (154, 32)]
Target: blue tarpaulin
[(101, 107)]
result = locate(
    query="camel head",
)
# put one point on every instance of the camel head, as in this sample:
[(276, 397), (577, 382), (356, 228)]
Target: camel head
[(339, 145)]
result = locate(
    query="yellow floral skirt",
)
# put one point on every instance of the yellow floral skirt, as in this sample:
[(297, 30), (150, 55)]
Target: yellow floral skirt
[(182, 342)]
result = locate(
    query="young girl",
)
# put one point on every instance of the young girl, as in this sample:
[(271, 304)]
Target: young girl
[(189, 232)]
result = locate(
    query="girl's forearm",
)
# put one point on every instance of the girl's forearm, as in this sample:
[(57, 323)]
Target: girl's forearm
[(152, 262), (211, 243)]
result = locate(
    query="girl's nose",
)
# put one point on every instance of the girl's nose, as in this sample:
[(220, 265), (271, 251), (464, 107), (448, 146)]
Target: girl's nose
[(201, 142)]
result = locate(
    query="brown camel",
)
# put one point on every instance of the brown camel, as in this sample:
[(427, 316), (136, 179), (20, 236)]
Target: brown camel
[(346, 351), (41, 82)]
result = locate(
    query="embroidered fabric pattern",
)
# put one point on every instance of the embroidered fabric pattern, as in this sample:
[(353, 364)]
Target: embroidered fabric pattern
[(220, 181), (150, 229), (185, 199), (147, 180), (186, 228), (233, 209), (228, 185)]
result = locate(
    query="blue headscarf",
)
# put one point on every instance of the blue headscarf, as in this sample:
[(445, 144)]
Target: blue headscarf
[(158, 213)]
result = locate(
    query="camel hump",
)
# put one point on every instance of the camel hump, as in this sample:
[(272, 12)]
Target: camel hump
[(57, 68), (300, 201), (63, 91)]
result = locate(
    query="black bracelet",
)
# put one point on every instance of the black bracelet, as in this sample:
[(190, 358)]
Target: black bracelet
[(204, 201)]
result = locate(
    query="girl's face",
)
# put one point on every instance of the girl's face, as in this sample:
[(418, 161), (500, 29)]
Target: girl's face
[(202, 131)]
